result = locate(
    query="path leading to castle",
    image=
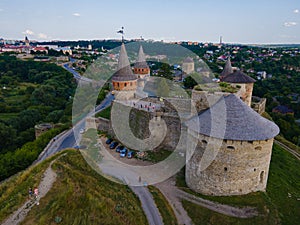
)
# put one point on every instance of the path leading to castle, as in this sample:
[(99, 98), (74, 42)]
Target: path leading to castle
[(48, 179), (174, 195), (292, 151)]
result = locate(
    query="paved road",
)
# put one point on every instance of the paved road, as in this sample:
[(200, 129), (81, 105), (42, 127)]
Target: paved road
[(76, 75), (67, 139), (148, 205)]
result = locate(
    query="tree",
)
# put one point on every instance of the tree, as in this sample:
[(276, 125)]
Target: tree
[(165, 71), (7, 137), (189, 82)]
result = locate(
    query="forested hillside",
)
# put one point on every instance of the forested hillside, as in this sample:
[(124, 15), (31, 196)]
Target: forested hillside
[(30, 93)]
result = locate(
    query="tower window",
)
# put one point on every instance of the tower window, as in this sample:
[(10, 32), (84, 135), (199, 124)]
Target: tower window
[(258, 148), (125, 84), (230, 148), (225, 169), (261, 176)]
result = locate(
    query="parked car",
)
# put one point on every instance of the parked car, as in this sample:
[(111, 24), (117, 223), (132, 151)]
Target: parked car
[(113, 145), (120, 148), (123, 153), (130, 154), (82, 131), (109, 141), (80, 147)]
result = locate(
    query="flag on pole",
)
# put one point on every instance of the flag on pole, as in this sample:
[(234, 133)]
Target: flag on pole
[(121, 31)]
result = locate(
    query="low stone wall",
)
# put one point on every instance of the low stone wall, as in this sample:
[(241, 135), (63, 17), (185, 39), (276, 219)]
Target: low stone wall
[(259, 104), (204, 100)]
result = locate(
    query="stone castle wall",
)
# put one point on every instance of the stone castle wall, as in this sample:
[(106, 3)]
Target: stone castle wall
[(139, 126), (259, 104), (240, 167), (204, 100), (245, 92)]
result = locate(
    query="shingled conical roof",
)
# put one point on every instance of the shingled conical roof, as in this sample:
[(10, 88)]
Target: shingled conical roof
[(141, 61), (238, 77), (188, 60), (227, 69), (124, 72), (231, 119)]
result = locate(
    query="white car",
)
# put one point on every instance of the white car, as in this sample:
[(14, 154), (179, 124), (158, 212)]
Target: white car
[(81, 131)]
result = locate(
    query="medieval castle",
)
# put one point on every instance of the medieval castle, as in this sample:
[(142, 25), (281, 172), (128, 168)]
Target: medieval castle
[(244, 138)]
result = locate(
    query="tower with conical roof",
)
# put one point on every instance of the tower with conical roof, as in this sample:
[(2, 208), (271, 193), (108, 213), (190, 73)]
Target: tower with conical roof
[(27, 43), (141, 68), (227, 69), (234, 149), (188, 65), (124, 81), (243, 82)]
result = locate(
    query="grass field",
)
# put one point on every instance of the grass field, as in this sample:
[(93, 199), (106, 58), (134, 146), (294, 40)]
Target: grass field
[(7, 116), (105, 113), (158, 156), (278, 205), (79, 196), (163, 206), (14, 100)]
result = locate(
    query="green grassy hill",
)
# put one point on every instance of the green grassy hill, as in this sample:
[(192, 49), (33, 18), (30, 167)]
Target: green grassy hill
[(78, 196)]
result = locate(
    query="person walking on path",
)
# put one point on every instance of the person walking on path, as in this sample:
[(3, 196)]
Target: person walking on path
[(30, 193), (36, 195)]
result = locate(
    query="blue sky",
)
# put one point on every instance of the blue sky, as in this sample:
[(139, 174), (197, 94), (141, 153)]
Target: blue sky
[(238, 21)]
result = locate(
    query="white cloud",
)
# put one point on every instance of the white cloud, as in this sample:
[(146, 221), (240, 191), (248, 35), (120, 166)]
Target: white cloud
[(76, 14), (28, 32), (290, 24), (296, 11), (42, 36)]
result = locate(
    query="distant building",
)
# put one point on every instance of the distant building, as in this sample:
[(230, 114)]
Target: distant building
[(188, 65), (27, 42), (65, 50), (284, 110), (262, 75), (40, 49)]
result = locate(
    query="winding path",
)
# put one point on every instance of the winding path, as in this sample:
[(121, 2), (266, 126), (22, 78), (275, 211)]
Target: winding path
[(292, 151), (174, 195), (48, 178)]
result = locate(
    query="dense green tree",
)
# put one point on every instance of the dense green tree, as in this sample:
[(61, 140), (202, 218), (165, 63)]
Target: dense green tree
[(189, 82), (7, 137), (165, 71)]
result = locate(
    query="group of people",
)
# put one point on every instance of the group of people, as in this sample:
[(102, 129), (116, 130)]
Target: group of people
[(34, 194), (146, 106)]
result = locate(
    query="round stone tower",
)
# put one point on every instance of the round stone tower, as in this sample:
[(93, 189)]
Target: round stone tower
[(124, 81), (244, 82), (234, 149), (141, 68), (188, 65)]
